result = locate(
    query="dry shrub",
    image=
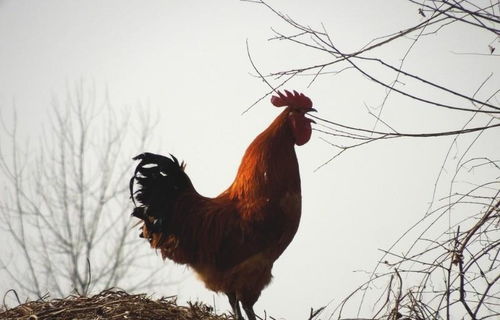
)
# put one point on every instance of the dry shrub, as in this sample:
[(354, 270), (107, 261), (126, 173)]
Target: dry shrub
[(111, 304)]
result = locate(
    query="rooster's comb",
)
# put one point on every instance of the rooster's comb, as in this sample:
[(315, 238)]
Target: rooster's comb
[(295, 99)]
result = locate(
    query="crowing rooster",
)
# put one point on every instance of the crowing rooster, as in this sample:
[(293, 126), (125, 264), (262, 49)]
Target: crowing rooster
[(231, 241)]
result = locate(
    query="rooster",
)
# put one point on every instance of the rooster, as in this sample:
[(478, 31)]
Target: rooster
[(231, 241)]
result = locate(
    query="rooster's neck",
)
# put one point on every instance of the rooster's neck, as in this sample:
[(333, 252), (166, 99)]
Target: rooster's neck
[(269, 167)]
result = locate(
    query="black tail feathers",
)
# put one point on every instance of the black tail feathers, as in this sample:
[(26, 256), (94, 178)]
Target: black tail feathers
[(160, 180)]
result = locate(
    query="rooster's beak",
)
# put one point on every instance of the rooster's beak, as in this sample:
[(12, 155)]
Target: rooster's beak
[(312, 110)]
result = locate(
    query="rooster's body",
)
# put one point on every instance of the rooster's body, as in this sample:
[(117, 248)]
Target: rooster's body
[(231, 241)]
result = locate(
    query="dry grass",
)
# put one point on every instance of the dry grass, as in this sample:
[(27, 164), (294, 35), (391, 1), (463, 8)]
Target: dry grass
[(111, 304)]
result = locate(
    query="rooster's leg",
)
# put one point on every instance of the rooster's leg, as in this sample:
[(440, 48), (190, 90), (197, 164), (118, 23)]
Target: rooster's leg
[(235, 305), (249, 311)]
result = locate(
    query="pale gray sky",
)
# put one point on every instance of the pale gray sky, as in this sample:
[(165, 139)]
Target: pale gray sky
[(187, 61)]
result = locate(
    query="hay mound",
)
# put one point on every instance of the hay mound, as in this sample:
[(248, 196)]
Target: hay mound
[(111, 304)]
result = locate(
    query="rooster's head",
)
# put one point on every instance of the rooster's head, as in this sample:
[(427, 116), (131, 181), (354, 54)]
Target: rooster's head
[(298, 105)]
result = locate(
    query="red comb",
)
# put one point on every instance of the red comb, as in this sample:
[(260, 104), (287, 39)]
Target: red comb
[(295, 99)]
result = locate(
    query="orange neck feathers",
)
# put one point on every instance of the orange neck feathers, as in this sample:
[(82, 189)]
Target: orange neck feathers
[(269, 165)]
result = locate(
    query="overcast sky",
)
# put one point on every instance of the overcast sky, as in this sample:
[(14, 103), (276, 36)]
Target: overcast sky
[(187, 61)]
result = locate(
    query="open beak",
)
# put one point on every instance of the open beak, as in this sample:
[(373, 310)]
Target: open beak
[(311, 110)]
